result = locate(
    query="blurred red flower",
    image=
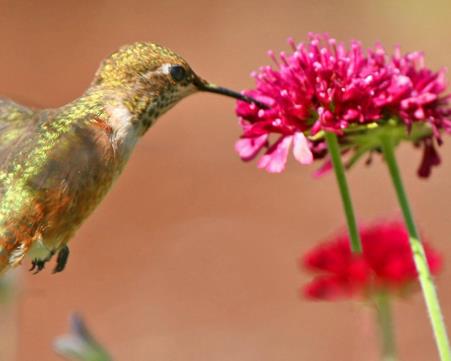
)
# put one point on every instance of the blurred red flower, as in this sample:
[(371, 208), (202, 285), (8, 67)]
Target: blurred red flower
[(386, 264), (324, 86)]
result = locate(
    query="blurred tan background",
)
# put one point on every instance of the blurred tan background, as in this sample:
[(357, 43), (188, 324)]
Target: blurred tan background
[(193, 254)]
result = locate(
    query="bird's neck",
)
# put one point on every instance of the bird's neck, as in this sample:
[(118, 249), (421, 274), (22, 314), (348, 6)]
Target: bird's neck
[(127, 109), (109, 110)]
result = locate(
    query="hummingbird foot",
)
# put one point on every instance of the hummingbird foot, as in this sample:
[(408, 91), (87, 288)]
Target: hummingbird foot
[(37, 265), (61, 259)]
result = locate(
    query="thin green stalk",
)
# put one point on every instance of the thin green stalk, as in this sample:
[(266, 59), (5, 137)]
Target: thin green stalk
[(334, 150), (424, 274), (385, 323)]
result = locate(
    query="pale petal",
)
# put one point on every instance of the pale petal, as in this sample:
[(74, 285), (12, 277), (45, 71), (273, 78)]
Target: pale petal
[(275, 159), (301, 149), (248, 148)]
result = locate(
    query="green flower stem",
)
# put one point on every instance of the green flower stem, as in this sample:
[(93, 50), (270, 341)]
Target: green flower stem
[(424, 274), (334, 150), (385, 323)]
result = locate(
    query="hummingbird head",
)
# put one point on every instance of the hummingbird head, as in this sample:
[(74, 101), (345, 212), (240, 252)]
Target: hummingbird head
[(153, 79)]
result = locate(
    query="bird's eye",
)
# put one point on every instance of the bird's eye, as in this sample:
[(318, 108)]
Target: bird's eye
[(178, 72)]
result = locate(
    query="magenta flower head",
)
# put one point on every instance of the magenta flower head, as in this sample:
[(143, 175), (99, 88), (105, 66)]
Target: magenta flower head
[(385, 265), (324, 86)]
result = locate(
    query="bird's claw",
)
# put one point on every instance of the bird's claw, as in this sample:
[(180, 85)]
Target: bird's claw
[(37, 265)]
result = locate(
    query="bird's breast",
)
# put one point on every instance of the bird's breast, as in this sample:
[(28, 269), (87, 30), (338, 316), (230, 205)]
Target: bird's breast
[(79, 174)]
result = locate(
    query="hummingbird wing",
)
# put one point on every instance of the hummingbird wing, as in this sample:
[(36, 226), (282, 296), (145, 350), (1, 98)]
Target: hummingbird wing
[(19, 134), (13, 122), (17, 123)]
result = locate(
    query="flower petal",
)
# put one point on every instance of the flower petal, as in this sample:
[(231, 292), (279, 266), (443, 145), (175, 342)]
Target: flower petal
[(248, 148), (325, 168), (431, 158), (276, 157), (301, 149), (325, 288)]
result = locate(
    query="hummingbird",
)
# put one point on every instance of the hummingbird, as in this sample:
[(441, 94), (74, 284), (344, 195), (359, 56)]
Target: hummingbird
[(56, 165)]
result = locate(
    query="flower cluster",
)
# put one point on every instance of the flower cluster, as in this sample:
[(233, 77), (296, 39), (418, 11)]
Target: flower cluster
[(386, 264), (322, 86)]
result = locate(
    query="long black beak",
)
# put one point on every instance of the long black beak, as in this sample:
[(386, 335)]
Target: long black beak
[(202, 85)]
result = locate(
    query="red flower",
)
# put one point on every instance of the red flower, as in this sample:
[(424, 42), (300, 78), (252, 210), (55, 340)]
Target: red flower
[(323, 86), (386, 264)]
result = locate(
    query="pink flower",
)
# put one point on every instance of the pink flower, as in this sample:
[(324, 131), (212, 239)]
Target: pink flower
[(324, 86), (386, 264)]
